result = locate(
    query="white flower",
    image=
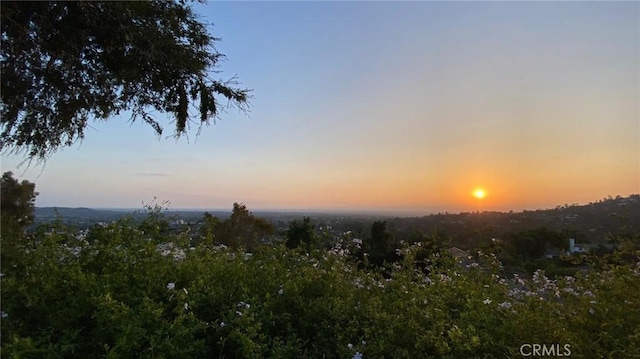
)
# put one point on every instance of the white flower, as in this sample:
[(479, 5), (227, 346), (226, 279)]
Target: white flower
[(185, 291), (487, 301), (350, 346), (358, 283), (186, 306), (244, 304), (222, 324), (4, 314), (505, 305), (239, 313), (280, 291), (570, 291), (171, 286), (357, 355)]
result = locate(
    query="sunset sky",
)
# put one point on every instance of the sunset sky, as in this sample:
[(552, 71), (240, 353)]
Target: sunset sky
[(389, 106)]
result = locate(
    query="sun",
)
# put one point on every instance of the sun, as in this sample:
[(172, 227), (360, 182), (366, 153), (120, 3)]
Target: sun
[(479, 193)]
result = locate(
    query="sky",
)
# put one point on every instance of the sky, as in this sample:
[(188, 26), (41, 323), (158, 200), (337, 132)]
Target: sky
[(392, 106)]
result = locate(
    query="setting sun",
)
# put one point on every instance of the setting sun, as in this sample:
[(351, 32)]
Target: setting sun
[(479, 193)]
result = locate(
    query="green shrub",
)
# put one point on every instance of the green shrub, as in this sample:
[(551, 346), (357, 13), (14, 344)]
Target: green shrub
[(121, 292)]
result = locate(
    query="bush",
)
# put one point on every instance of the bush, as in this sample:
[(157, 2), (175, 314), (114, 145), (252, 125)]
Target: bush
[(121, 292)]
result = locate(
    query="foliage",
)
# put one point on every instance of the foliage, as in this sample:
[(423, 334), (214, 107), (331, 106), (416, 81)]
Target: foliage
[(532, 244), (207, 229), (431, 253), (17, 202), (63, 63), (241, 230), (119, 291), (301, 233), (380, 246)]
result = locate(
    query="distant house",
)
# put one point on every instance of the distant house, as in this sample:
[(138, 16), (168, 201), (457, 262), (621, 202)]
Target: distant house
[(575, 248)]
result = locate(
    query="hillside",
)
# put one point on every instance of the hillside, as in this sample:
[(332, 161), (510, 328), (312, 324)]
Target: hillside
[(590, 223)]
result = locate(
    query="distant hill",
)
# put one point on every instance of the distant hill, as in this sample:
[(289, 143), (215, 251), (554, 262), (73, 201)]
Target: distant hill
[(591, 222), (44, 214)]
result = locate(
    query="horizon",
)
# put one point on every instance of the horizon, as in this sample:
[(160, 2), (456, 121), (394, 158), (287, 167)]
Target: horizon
[(347, 211), (417, 107)]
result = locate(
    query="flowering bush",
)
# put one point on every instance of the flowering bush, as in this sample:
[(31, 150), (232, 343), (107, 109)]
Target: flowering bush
[(123, 292)]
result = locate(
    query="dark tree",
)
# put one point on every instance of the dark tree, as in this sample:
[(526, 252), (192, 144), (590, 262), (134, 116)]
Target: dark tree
[(16, 210), (64, 63), (381, 245), (300, 233), (242, 229), (208, 228), (17, 204), (532, 243)]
